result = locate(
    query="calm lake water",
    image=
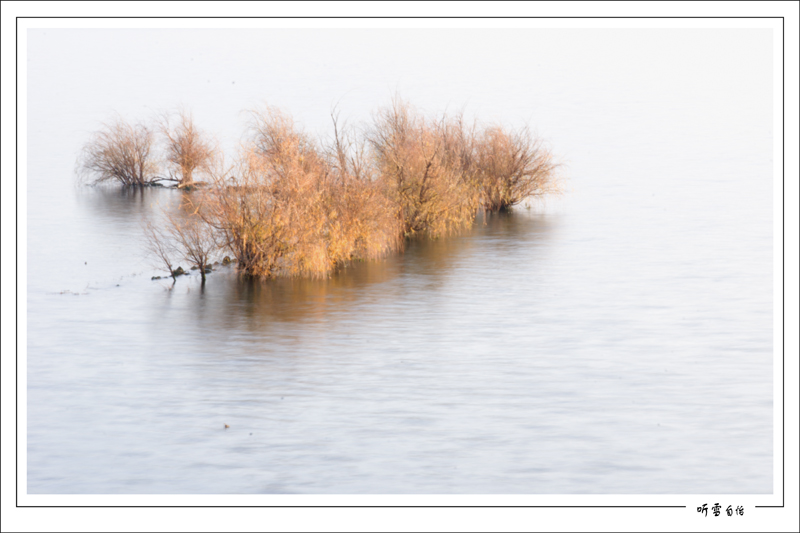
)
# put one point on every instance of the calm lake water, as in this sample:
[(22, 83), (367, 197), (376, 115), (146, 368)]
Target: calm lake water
[(615, 340)]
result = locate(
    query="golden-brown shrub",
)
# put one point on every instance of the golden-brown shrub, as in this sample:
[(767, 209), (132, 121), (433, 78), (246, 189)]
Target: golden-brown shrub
[(289, 211), (511, 167), (419, 165), (291, 207), (188, 150)]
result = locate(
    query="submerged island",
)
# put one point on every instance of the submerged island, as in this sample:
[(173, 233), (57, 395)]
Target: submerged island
[(287, 205)]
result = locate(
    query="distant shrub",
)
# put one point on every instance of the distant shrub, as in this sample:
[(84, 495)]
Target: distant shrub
[(119, 152), (511, 167), (160, 247), (184, 235), (196, 241), (188, 150)]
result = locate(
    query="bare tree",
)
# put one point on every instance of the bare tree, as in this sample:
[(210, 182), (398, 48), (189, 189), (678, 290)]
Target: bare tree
[(160, 246), (119, 152), (185, 234), (188, 149), (348, 152), (195, 240)]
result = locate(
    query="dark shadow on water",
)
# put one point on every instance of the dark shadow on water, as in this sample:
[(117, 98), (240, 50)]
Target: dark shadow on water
[(126, 207), (493, 237), (424, 267), (517, 226), (234, 301)]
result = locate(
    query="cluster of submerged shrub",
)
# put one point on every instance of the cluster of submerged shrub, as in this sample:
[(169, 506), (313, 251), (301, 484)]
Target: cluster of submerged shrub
[(288, 205)]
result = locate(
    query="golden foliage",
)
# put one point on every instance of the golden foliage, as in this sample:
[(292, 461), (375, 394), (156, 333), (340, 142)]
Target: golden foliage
[(290, 211), (512, 167), (289, 206), (188, 150), (420, 167)]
